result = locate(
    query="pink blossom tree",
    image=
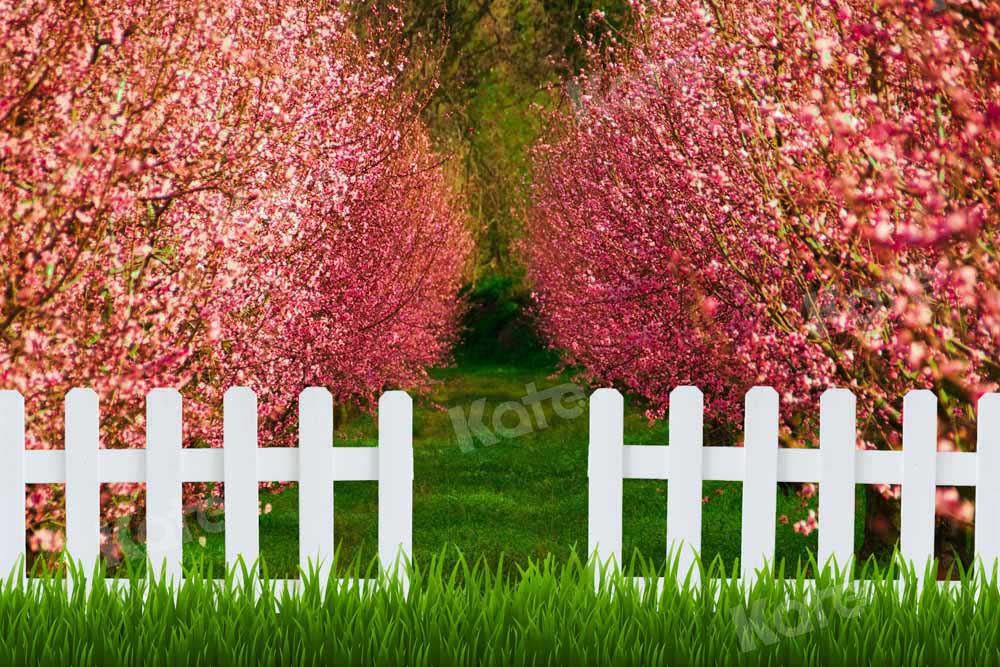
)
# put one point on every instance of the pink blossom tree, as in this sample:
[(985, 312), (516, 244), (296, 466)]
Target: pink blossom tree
[(795, 194), (199, 194)]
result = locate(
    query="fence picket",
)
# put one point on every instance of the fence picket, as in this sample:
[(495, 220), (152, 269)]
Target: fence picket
[(11, 481), (83, 478), (916, 540), (395, 481), (838, 442), (316, 540), (684, 490), (239, 420), (604, 470), (987, 524), (760, 481), (164, 505)]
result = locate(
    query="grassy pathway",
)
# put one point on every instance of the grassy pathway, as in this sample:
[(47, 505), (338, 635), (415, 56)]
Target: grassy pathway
[(524, 496)]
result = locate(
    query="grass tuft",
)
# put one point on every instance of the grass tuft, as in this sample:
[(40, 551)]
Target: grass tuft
[(460, 612)]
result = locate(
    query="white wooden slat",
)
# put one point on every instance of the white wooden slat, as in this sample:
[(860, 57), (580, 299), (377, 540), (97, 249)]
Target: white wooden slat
[(724, 464), (355, 464), (349, 464), (164, 518), (878, 467), (799, 465), (653, 462), (48, 466), (605, 468), (122, 465), (11, 482), (684, 490), (83, 478), (987, 526), (274, 464), (45, 466), (279, 464), (919, 458), (719, 463), (956, 469), (240, 476), (886, 467), (760, 481), (646, 462), (316, 541), (203, 465), (838, 435), (395, 482)]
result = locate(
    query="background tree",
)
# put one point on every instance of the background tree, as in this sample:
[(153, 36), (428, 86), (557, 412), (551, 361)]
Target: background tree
[(194, 195), (801, 195)]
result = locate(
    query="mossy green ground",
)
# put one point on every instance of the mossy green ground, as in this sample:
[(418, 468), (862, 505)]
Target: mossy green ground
[(524, 497)]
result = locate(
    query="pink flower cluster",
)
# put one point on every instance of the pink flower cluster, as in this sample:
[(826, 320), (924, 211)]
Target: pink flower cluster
[(201, 194), (796, 194)]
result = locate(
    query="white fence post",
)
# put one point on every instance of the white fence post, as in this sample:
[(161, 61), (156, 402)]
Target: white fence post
[(917, 506), (395, 482), (684, 488), (838, 435), (987, 537), (83, 478), (239, 419), (605, 470), (759, 481), (164, 506), (11, 481), (316, 541)]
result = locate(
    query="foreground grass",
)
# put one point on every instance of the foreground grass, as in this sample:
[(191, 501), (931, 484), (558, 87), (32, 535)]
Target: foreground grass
[(525, 496), (547, 614)]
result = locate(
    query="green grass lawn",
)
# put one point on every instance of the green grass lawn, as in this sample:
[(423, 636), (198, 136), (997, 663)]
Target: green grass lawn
[(550, 614), (523, 497)]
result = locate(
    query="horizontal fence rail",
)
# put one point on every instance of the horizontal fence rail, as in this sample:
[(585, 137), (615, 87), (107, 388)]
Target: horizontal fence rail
[(164, 465), (837, 466)]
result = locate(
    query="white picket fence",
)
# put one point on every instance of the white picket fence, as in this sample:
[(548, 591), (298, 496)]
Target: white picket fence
[(760, 464), (164, 465), (316, 465)]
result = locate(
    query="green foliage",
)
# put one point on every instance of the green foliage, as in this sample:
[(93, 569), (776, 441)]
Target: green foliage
[(547, 612), (498, 328)]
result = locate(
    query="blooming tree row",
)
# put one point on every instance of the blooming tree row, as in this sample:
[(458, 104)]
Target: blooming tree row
[(801, 194), (200, 194)]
